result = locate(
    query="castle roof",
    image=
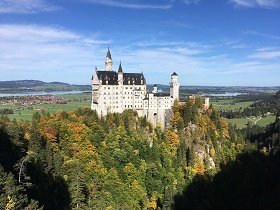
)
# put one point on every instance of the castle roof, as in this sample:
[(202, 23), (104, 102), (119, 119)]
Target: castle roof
[(120, 68), (110, 76), (174, 74), (161, 94), (109, 54), (128, 78)]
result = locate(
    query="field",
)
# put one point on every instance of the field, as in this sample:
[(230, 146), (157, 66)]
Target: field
[(241, 122), (23, 114), (230, 104), (261, 121)]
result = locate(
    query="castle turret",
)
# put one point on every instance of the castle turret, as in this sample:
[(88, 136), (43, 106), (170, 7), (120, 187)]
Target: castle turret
[(174, 86), (120, 74), (154, 89), (108, 61)]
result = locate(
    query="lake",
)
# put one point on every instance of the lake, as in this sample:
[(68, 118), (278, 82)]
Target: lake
[(225, 94)]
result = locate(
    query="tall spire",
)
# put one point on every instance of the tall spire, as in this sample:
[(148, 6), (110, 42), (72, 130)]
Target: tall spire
[(120, 68), (108, 61), (109, 53)]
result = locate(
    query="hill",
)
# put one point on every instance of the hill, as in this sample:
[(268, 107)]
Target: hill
[(37, 85)]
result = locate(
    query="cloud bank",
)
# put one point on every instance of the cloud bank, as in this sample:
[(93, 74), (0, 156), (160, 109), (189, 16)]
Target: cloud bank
[(57, 54)]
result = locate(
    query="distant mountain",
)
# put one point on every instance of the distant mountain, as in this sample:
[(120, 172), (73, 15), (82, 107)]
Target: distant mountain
[(21, 83), (37, 85)]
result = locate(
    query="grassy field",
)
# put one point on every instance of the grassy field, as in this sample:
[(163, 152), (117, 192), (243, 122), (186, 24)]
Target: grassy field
[(27, 114), (229, 104), (241, 122), (23, 114), (261, 121)]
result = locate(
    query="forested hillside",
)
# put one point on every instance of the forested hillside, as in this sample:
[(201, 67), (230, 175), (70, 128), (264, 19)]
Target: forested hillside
[(17, 86), (77, 160)]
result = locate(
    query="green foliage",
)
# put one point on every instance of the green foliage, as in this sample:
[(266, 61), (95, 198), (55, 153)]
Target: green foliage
[(77, 160)]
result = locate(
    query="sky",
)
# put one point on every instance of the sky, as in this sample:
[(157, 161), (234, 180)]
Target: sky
[(206, 42)]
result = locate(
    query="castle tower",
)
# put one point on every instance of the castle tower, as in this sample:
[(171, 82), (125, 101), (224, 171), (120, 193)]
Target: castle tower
[(174, 86), (155, 89), (108, 61), (120, 75)]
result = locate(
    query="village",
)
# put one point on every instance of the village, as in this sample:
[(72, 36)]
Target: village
[(31, 100)]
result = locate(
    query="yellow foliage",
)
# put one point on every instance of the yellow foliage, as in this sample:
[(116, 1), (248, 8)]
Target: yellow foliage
[(152, 204), (92, 164), (78, 128), (136, 152), (225, 132), (199, 168), (264, 150), (174, 140), (27, 135), (212, 152), (85, 152), (11, 204)]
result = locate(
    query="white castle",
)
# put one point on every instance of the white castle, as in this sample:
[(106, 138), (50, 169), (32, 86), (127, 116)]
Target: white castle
[(117, 91)]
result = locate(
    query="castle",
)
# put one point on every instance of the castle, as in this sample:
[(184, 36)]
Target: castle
[(117, 91)]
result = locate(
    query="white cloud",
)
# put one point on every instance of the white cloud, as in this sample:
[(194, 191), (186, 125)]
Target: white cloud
[(262, 34), (26, 6), (268, 4), (268, 53), (40, 51), (129, 4), (55, 54), (191, 1)]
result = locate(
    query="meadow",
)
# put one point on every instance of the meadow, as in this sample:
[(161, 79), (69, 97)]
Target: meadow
[(260, 121), (21, 113), (230, 104)]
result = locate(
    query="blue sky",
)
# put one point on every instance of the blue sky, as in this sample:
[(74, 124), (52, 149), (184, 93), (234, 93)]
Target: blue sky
[(206, 42)]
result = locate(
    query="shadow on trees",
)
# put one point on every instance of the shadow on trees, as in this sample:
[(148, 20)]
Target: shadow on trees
[(48, 189), (51, 192), (8, 153), (252, 181)]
